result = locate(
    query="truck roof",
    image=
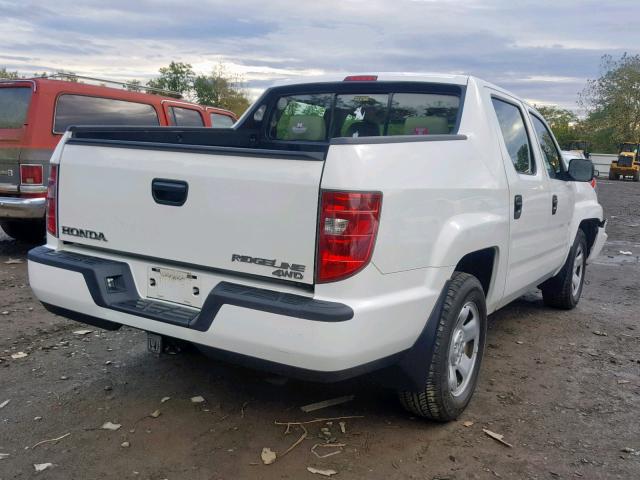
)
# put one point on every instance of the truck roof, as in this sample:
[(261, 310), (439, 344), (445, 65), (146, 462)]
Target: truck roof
[(381, 77), (451, 79)]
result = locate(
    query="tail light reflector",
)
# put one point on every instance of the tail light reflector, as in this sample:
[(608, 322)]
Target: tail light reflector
[(31, 174), (52, 201), (348, 225)]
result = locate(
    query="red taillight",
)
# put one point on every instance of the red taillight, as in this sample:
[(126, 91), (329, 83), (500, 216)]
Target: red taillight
[(361, 78), (31, 174), (52, 203), (347, 229), (593, 182)]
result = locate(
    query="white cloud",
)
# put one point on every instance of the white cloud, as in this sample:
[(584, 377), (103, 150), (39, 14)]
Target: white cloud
[(537, 49)]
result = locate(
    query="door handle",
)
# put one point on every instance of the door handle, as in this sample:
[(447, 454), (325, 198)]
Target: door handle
[(517, 206), (554, 205), (169, 192)]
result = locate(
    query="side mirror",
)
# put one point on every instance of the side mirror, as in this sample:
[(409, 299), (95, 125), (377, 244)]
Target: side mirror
[(580, 170)]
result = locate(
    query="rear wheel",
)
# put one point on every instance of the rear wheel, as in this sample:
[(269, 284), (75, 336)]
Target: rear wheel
[(564, 290), (30, 231), (457, 353)]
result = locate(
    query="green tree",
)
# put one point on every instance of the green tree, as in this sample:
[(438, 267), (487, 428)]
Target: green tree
[(178, 77), (134, 86), (563, 123), (4, 73), (221, 89), (612, 102)]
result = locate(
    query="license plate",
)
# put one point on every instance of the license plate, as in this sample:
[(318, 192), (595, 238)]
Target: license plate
[(176, 286), (154, 342)]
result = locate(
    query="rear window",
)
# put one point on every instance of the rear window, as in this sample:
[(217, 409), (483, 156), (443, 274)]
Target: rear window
[(14, 103), (301, 117), (84, 110), (186, 117), (318, 117), (221, 121)]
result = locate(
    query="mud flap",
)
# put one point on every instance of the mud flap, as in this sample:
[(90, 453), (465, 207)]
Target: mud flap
[(411, 371)]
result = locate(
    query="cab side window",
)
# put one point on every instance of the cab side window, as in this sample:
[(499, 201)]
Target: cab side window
[(515, 136), (186, 117), (550, 154)]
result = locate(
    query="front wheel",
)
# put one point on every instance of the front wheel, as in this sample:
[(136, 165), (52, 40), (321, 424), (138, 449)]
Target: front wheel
[(564, 290), (636, 176), (457, 353)]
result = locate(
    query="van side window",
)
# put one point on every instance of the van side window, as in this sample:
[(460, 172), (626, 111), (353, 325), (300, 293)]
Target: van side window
[(220, 121), (185, 117), (550, 154), (515, 136), (84, 110), (14, 103)]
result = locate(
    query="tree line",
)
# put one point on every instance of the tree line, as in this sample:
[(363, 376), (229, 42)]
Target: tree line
[(611, 102), (218, 88)]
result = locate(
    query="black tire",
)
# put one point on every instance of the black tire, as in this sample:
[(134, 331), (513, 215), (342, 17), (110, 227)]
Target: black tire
[(612, 176), (28, 231), (559, 291), (437, 401), (636, 176)]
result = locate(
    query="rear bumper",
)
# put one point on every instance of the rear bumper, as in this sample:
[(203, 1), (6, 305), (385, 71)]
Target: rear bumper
[(22, 208), (294, 335)]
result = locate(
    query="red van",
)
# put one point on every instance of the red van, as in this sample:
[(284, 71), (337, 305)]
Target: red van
[(35, 113)]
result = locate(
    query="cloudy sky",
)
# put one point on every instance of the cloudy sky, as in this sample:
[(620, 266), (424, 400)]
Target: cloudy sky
[(542, 50)]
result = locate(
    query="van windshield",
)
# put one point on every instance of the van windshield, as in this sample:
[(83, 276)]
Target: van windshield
[(14, 103)]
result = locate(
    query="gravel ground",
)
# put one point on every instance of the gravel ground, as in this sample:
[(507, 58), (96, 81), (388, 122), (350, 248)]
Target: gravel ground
[(562, 387)]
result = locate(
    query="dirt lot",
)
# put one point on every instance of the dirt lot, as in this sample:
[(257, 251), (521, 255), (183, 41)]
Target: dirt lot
[(563, 388)]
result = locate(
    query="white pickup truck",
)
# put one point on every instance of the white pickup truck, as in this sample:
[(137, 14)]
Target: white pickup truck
[(340, 228)]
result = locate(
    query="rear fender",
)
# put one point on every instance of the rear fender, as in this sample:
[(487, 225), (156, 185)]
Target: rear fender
[(469, 232)]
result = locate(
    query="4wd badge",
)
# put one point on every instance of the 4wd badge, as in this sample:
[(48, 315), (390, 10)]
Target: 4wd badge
[(282, 269)]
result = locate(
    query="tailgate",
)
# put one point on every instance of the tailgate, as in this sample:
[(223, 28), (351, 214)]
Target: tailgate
[(249, 213)]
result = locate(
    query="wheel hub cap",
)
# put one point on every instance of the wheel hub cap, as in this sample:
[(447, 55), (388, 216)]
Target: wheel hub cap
[(463, 348), (578, 271)]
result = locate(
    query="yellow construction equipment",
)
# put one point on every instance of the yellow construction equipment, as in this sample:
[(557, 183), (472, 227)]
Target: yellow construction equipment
[(627, 164)]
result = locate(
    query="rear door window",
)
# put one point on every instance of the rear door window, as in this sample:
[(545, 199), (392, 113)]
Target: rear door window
[(14, 103), (186, 117), (84, 110), (221, 121), (514, 133)]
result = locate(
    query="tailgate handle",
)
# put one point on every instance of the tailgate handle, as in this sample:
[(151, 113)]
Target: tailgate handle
[(169, 192)]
